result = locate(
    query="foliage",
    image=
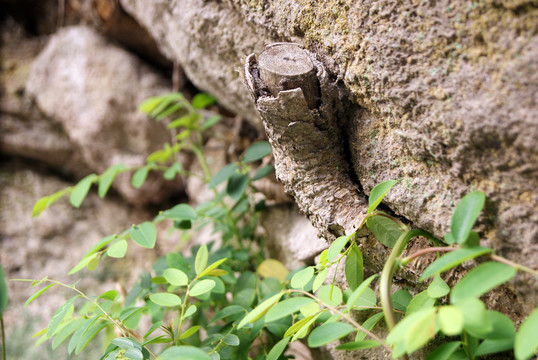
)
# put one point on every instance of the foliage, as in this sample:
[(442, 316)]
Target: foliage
[(228, 301)]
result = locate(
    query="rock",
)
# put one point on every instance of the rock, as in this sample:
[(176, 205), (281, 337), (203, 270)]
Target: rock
[(92, 88), (56, 241), (208, 39), (440, 96), (290, 237), (24, 130)]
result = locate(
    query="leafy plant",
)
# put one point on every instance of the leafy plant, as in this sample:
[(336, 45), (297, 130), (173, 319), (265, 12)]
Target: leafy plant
[(324, 313), (228, 301)]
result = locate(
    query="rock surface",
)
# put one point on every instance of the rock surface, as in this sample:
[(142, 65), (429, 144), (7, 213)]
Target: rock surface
[(57, 240), (92, 89), (441, 96)]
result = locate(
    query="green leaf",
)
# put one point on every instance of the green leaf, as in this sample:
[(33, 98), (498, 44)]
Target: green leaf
[(126, 343), (444, 351), (368, 325), (401, 299), (386, 230), (80, 191), (201, 100), (337, 246), (189, 332), (190, 311), (263, 172), (287, 307), (450, 320), (236, 186), (367, 299), (3, 292), (260, 310), (453, 259), (183, 353), (414, 330), (301, 278), (82, 264), (212, 267), (43, 203), (487, 347), (200, 262), (144, 234), (354, 268), (81, 330), (319, 279), (128, 313), (117, 250), (272, 268), (378, 193), (172, 171), (140, 176), (356, 294), (331, 294), (231, 339), (89, 335), (278, 349), (210, 121), (166, 100), (180, 212), (257, 151), (421, 301), (328, 333), (40, 206), (224, 174), (229, 311), (481, 279), (358, 345), (101, 244), (475, 318), (59, 315), (176, 277), (438, 288), (201, 287), (526, 342), (501, 327), (165, 299), (169, 111), (149, 104), (107, 178), (465, 215), (65, 331), (108, 295)]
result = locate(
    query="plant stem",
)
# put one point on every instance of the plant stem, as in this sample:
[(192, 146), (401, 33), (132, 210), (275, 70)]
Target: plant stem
[(182, 313), (419, 253), (514, 264), (3, 338), (347, 317), (391, 264)]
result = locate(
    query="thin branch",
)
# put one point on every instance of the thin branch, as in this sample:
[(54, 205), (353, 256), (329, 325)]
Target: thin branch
[(514, 264), (347, 317), (419, 253)]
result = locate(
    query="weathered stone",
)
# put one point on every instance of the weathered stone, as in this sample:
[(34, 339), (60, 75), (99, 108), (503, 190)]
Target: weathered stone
[(208, 39), (290, 237), (56, 241), (93, 88), (441, 96)]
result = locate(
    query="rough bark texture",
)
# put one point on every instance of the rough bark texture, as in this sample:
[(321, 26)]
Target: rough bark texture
[(299, 109)]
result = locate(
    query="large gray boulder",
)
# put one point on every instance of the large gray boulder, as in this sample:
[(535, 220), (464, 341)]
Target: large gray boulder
[(92, 88)]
